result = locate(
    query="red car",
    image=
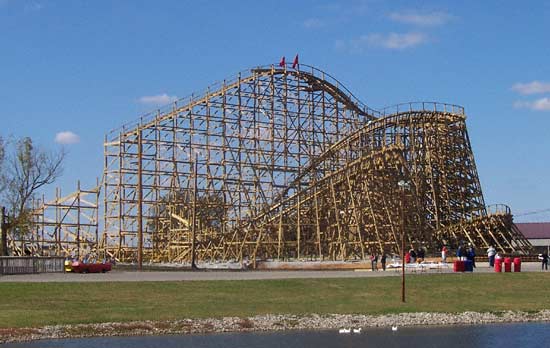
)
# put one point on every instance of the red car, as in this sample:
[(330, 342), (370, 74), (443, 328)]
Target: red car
[(80, 267)]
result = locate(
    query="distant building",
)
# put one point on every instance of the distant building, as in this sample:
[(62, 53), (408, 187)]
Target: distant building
[(537, 233)]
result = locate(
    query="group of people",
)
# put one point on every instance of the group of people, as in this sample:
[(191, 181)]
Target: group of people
[(374, 261), (464, 252), (413, 255)]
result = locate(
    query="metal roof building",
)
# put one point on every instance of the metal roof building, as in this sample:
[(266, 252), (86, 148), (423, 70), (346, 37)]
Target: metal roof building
[(538, 233)]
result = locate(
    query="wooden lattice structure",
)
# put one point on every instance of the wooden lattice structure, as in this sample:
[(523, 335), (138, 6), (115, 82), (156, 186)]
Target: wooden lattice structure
[(282, 163), (65, 226), (251, 135)]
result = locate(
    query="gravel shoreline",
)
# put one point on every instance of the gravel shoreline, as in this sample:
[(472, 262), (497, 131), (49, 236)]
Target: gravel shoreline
[(266, 323)]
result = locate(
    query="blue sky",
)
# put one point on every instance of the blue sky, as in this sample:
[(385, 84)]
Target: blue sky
[(85, 67)]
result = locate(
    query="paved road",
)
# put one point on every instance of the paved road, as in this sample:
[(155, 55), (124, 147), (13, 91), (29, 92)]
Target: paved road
[(133, 276)]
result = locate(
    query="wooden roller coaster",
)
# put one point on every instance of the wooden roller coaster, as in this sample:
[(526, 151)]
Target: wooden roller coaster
[(285, 164)]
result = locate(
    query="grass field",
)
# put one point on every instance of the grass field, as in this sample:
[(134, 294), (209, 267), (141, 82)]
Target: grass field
[(39, 304)]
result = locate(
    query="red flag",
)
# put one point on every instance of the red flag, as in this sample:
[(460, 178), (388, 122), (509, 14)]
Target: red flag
[(282, 62), (295, 63)]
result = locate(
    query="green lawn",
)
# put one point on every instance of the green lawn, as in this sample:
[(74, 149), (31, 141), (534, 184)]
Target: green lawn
[(38, 304)]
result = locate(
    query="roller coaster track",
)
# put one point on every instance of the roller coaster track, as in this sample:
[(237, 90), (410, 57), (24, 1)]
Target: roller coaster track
[(314, 83), (284, 163)]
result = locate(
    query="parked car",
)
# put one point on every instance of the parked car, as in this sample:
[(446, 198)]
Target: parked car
[(81, 267)]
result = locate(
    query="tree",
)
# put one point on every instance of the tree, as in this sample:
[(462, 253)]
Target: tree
[(3, 222), (26, 169), (2, 156)]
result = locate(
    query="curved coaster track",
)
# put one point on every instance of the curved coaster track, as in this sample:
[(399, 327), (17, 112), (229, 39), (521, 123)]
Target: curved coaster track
[(281, 163)]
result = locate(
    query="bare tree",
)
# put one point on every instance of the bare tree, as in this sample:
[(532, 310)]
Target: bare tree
[(3, 220), (2, 156), (26, 170)]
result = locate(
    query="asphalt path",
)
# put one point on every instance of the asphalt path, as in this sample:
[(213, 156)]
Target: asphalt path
[(155, 276)]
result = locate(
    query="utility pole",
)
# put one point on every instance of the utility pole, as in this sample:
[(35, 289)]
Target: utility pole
[(140, 200), (403, 185), (194, 216)]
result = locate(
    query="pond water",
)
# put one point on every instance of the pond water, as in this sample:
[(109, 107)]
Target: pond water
[(501, 335)]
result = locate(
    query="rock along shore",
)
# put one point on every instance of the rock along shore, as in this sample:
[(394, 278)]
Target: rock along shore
[(266, 323)]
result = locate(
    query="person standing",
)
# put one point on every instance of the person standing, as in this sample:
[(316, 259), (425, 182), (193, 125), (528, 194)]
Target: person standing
[(374, 262), (471, 254), (444, 254), (491, 252), (544, 258), (383, 261), (460, 252), (421, 254), (412, 253)]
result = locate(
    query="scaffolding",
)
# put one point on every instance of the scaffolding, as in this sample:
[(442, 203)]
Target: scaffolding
[(283, 163), (65, 226)]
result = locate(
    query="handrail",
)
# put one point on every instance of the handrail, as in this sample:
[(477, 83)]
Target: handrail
[(327, 77), (494, 209), (342, 143), (179, 103), (313, 71), (422, 106), (244, 74)]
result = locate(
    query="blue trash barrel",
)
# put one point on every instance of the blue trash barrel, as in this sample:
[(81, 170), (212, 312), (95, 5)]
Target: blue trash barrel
[(468, 266)]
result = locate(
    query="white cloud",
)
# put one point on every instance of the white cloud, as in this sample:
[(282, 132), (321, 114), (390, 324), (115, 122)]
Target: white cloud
[(336, 13), (542, 104), (313, 23), (346, 9), (393, 41), (67, 137), (422, 19), (157, 99), (33, 6), (340, 45), (534, 87)]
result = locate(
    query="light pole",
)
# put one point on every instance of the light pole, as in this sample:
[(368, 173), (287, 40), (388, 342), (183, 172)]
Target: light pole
[(194, 215), (403, 185)]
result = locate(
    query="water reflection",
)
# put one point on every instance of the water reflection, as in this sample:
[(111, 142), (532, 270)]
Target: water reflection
[(502, 335)]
